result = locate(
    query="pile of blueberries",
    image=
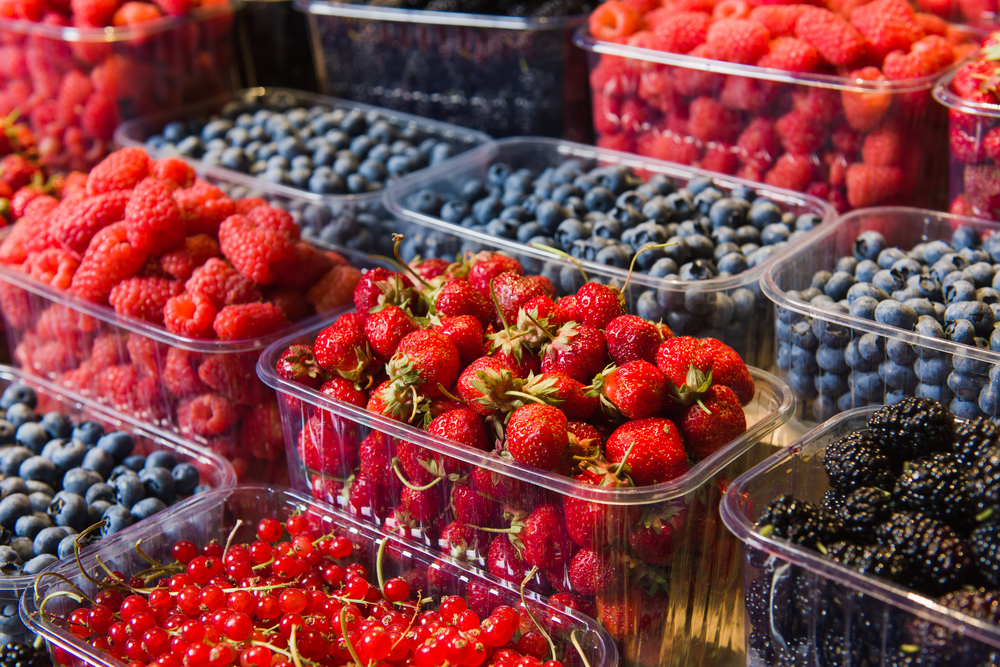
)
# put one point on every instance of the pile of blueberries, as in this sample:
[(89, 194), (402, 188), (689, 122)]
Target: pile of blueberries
[(949, 291), (319, 149)]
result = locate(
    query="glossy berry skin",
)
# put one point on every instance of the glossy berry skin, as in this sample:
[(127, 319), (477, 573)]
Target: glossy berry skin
[(657, 451), (537, 435)]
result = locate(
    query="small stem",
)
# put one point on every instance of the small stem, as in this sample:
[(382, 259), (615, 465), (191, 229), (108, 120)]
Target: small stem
[(347, 640), (631, 267), (552, 646), (76, 550), (378, 565), (398, 238), (416, 403), (229, 540), (447, 394), (579, 649), (564, 255), (151, 561), (64, 580), (294, 648), (496, 302), (521, 394), (538, 324), (621, 464), (410, 485)]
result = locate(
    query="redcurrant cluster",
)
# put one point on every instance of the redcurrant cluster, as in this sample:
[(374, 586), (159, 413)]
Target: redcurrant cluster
[(292, 598)]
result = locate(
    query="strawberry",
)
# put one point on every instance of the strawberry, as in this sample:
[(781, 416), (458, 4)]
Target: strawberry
[(457, 297), (343, 351), (375, 458), (587, 436), (483, 381), (599, 304), (504, 561), (631, 338), (381, 286), (457, 539), (563, 392), (570, 308), (637, 389), (627, 615), (385, 328), (430, 268), (418, 506), (510, 291), (488, 265), (537, 435), (425, 359), (713, 421), (322, 449), (730, 370), (462, 426), (524, 365), (544, 540), (421, 465), (393, 401), (367, 498), (345, 390), (469, 507), (686, 364), (465, 333), (596, 525), (653, 538), (298, 363), (652, 449), (577, 350), (595, 572)]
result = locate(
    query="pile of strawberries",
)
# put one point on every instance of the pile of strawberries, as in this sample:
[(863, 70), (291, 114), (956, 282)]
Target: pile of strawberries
[(854, 147), (483, 356), (174, 252), (73, 94)]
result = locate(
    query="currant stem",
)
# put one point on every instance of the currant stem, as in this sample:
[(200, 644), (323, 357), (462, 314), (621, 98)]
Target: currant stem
[(229, 540), (579, 649), (378, 565), (294, 647), (410, 485), (76, 550), (548, 639), (343, 633), (148, 559)]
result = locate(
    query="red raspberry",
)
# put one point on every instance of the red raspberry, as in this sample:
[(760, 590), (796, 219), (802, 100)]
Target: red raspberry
[(758, 144), (74, 186), (93, 13), (738, 40), (108, 350), (864, 111), (778, 19), (180, 373), (625, 143), (790, 54), (262, 429), (100, 117), (74, 90), (171, 169), (244, 206), (109, 259), (681, 32), (744, 93), (54, 267), (203, 207), (613, 76), (935, 49), (292, 302), (19, 200), (820, 104), (868, 185), (792, 172), (657, 88), (175, 7), (184, 259), (710, 121), (206, 415), (669, 146), (883, 147), (799, 133), (991, 144), (122, 170), (930, 24), (835, 39), (154, 222), (259, 244), (16, 171), (977, 10), (144, 298), (719, 157), (899, 66), (307, 266), (691, 81), (146, 354), (134, 13), (248, 320), (982, 189), (731, 9), (335, 289), (221, 284), (887, 25), (965, 147), (233, 376), (75, 223), (189, 314)]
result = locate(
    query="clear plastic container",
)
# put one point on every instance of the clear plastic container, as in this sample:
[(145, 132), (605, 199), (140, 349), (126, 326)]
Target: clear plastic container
[(75, 85), (502, 75), (693, 615), (215, 471), (273, 41), (358, 222), (974, 175), (140, 368), (214, 515), (702, 309), (642, 98), (819, 373), (807, 609)]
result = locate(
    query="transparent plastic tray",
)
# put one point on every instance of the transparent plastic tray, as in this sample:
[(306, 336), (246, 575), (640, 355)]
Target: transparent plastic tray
[(849, 617), (503, 75), (687, 305), (51, 334), (215, 471), (695, 618), (639, 95), (214, 515), (902, 228), (373, 229)]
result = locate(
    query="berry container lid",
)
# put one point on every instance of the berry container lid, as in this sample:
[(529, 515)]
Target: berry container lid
[(215, 515), (945, 95), (459, 19), (216, 471), (798, 470), (903, 228)]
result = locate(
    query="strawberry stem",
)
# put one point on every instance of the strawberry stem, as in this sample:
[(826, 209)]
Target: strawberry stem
[(564, 255), (523, 395), (704, 407), (538, 324), (448, 394), (631, 266), (410, 485), (621, 464), (398, 239), (496, 303), (548, 639)]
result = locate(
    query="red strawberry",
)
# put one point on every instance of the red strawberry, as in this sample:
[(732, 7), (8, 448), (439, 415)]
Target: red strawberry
[(484, 381), (457, 539), (488, 265), (385, 328), (713, 421), (653, 449), (685, 363), (464, 427), (587, 436), (599, 304), (653, 538), (378, 286), (563, 392), (457, 297), (345, 390), (637, 389), (595, 573), (393, 401), (343, 351), (375, 458), (577, 351), (298, 363), (512, 291), (469, 507), (631, 338), (537, 435), (418, 506), (324, 450), (543, 537), (466, 334), (596, 525), (504, 561), (350, 321), (570, 308), (430, 268), (524, 365), (425, 359), (730, 370)]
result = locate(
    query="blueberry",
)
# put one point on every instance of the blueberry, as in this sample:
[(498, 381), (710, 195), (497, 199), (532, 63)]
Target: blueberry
[(67, 546), (965, 386), (10, 565), (865, 271), (78, 480), (7, 432), (889, 280), (965, 237), (959, 290), (599, 199), (988, 295), (923, 307), (803, 384), (846, 264), (864, 307), (804, 360), (975, 312), (216, 129), (99, 461), (20, 413), (964, 409), (961, 331), (186, 477), (38, 468), (728, 212), (748, 234), (192, 147), (898, 376), (838, 285), (100, 491), (895, 314), (39, 563), (970, 366), (859, 290), (69, 510), (928, 286), (699, 269), (868, 387), (699, 247), (129, 489), (802, 336), (943, 267), (326, 183), (764, 212), (57, 424), (13, 485), (890, 256), (734, 263), (69, 455), (807, 221), (932, 371), (146, 508), (497, 174), (30, 525), (32, 435), (48, 539), (135, 462), (616, 255), (856, 360), (831, 333), (39, 501), (774, 233), (116, 518), (868, 245)]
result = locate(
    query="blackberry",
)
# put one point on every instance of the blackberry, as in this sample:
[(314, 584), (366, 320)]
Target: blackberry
[(878, 561), (912, 428), (974, 437), (863, 510), (16, 654), (833, 500), (935, 486), (984, 480), (855, 460), (799, 521), (984, 546), (937, 558), (939, 645)]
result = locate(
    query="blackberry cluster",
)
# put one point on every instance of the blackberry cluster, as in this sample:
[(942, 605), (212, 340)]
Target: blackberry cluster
[(913, 427), (16, 654), (800, 522), (856, 460), (974, 437)]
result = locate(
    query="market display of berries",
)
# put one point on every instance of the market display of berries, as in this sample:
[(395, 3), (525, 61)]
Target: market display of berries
[(861, 139), (912, 500), (939, 289), (514, 8)]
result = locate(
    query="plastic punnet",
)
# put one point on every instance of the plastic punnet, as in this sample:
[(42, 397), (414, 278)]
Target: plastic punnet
[(214, 516), (685, 594)]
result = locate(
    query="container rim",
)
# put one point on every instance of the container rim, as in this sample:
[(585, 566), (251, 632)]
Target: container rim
[(770, 288), (28, 610), (227, 476), (741, 526), (459, 165), (766, 384), (945, 94), (128, 134), (587, 42), (456, 19), (117, 34)]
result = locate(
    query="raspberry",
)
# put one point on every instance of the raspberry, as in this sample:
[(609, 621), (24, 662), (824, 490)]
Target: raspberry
[(691, 81), (899, 66), (74, 224), (731, 9), (54, 267), (657, 88), (19, 200), (108, 350), (51, 358), (189, 314), (792, 172), (799, 133), (203, 207), (263, 428), (233, 376), (244, 206), (183, 260), (221, 284), (738, 40), (778, 19), (100, 117), (292, 303), (710, 121), (152, 217), (982, 189), (307, 266), (757, 146), (617, 142), (936, 50), (259, 244), (146, 354), (206, 415), (144, 298), (74, 186), (969, 79), (865, 110), (887, 25), (669, 146), (613, 20), (122, 170), (883, 148), (16, 171), (171, 169), (719, 157), (681, 32), (835, 39), (991, 144), (820, 104), (109, 259), (790, 54), (134, 13), (868, 185), (180, 373), (744, 93), (335, 289), (930, 24), (248, 320)]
